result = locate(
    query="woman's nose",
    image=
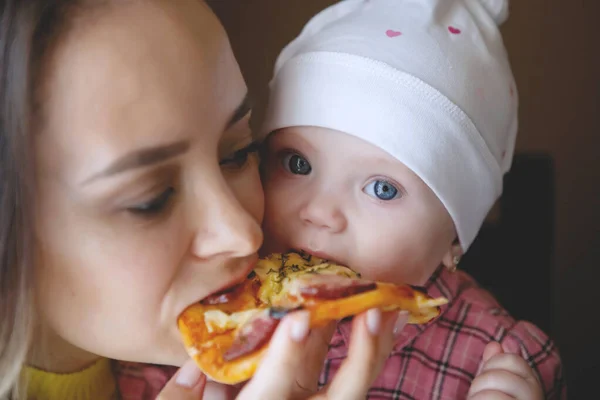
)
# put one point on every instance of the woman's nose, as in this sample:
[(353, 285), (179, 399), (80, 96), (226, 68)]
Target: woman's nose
[(324, 212), (227, 228)]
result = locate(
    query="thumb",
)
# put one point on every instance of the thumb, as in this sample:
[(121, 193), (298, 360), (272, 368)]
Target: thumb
[(491, 349), (187, 384)]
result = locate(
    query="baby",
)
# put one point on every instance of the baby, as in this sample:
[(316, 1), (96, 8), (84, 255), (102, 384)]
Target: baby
[(392, 123)]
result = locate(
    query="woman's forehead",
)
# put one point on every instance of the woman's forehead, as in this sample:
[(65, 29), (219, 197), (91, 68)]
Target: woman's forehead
[(136, 77), (140, 45)]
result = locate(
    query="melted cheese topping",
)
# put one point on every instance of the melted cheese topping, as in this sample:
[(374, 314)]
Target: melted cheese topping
[(282, 276), (217, 320)]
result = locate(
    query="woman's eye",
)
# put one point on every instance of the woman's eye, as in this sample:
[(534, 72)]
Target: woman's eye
[(154, 206), (382, 190), (296, 164), (240, 158)]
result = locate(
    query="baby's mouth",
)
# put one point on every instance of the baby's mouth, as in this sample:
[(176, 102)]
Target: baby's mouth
[(321, 254)]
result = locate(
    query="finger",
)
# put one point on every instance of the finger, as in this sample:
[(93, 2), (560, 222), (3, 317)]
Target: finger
[(511, 363), (275, 377), (505, 382), (218, 391), (371, 342), (187, 384), (491, 349), (314, 352), (490, 395), (401, 322)]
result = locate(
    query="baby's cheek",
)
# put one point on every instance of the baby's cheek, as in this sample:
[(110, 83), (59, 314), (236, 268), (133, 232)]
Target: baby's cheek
[(275, 229), (389, 261), (380, 272), (273, 194), (281, 204)]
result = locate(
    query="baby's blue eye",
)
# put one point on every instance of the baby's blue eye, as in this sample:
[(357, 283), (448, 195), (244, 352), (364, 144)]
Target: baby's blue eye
[(296, 164), (382, 189)]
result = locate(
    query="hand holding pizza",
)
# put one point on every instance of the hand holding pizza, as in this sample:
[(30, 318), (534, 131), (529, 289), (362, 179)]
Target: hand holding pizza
[(292, 363)]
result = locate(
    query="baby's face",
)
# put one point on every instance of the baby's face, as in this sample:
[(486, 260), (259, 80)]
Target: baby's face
[(341, 198)]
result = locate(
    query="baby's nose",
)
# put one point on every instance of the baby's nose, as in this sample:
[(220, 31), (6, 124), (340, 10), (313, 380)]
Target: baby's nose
[(324, 212)]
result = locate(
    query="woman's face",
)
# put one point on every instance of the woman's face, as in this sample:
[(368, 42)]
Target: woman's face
[(147, 201)]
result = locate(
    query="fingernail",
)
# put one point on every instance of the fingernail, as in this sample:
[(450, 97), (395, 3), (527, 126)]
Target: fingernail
[(189, 375), (400, 323), (300, 326), (374, 320)]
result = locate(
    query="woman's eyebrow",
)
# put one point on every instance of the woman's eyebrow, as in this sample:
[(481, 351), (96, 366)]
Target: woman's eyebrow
[(142, 158), (153, 155)]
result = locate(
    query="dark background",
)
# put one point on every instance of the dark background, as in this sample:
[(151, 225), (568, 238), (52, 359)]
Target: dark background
[(539, 251)]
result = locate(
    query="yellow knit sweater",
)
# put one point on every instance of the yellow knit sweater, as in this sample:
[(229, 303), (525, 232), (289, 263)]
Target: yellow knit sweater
[(93, 383)]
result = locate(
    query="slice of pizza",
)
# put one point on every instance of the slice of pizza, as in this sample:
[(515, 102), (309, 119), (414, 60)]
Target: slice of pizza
[(227, 333)]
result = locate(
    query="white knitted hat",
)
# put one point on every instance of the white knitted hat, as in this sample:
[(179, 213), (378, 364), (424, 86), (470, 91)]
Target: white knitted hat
[(428, 81)]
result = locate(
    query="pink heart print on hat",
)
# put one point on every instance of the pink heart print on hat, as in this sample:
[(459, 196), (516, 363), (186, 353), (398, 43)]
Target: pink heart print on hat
[(453, 30), (392, 33)]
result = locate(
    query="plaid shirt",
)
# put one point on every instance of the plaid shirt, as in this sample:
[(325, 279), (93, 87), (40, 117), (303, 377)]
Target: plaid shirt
[(436, 361), (439, 360)]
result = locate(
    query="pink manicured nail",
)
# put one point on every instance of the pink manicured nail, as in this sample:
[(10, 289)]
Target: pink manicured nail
[(299, 327), (189, 375), (400, 323), (374, 320)]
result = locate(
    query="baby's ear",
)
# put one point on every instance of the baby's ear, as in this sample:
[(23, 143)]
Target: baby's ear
[(452, 256)]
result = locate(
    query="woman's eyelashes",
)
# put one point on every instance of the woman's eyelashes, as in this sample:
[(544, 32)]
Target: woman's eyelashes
[(382, 189), (158, 204), (295, 163), (240, 157), (154, 206)]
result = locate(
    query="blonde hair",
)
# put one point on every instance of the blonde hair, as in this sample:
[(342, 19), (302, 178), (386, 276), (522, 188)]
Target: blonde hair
[(26, 30)]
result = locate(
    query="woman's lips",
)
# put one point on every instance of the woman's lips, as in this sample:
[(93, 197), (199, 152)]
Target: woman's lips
[(224, 296), (233, 284)]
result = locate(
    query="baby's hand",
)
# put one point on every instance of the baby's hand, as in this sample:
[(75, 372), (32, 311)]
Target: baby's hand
[(504, 376)]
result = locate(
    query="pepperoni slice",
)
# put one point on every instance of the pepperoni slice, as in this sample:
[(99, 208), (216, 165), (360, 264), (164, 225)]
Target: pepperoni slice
[(252, 336), (334, 289)]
